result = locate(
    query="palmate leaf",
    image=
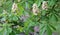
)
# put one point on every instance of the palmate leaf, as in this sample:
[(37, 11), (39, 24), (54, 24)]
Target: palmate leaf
[(45, 29), (50, 29), (51, 2)]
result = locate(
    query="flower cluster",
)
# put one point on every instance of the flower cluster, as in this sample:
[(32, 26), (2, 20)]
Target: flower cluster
[(14, 7), (35, 9), (45, 5)]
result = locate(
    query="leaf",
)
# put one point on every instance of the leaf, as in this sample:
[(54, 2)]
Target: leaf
[(43, 12), (12, 17), (38, 2), (15, 18), (51, 2), (5, 30), (7, 6), (27, 5), (42, 26), (21, 9), (51, 26), (1, 9), (53, 19), (49, 31), (42, 30)]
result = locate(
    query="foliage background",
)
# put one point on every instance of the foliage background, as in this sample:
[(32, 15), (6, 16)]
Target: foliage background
[(23, 19)]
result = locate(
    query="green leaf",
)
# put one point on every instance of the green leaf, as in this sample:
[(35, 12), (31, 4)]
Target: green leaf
[(15, 18), (49, 31), (21, 9), (1, 10), (51, 2), (51, 26), (43, 12), (5, 30), (38, 2), (42, 30), (53, 19), (42, 26)]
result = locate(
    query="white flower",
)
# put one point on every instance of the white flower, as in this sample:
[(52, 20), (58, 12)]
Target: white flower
[(35, 9), (44, 5), (14, 7)]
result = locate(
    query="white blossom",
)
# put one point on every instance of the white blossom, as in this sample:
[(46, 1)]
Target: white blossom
[(44, 5), (35, 9), (14, 7)]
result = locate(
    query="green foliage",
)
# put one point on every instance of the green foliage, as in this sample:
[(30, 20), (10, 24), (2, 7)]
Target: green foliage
[(23, 19), (5, 30)]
